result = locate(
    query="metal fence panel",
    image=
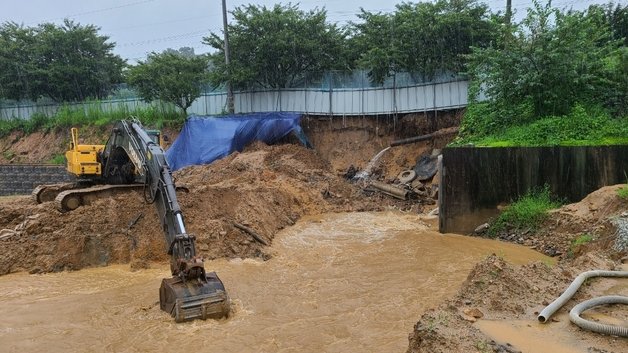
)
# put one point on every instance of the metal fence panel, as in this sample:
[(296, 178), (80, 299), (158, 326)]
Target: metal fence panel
[(345, 101)]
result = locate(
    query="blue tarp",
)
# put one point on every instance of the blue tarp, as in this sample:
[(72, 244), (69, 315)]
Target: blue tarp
[(204, 139)]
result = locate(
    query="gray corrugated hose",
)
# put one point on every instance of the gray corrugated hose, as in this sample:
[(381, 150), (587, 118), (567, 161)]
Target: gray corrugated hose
[(574, 316), (549, 310)]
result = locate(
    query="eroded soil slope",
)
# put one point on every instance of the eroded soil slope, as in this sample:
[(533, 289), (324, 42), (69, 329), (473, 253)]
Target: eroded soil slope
[(265, 188)]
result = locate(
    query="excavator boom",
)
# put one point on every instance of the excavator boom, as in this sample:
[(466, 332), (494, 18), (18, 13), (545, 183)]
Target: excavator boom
[(132, 159), (191, 293)]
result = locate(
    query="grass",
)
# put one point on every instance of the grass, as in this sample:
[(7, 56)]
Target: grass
[(583, 126), (526, 213), (623, 192), (57, 159), (584, 238), (93, 113), (8, 154)]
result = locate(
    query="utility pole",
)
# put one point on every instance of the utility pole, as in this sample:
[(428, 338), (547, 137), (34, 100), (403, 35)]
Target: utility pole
[(508, 12), (230, 104), (508, 27)]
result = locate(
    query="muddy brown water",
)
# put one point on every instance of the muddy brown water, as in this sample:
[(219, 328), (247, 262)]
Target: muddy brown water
[(337, 283)]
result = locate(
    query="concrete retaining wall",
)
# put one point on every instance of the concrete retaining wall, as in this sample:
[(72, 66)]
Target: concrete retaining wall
[(21, 179), (476, 180)]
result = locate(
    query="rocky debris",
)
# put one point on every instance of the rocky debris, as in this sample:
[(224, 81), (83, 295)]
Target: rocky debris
[(481, 229), (411, 185), (426, 167), (474, 313), (621, 235), (503, 348)]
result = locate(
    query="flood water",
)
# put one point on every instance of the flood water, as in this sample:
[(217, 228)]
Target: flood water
[(346, 283)]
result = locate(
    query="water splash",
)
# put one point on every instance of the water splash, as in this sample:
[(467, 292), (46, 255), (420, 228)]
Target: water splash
[(366, 173)]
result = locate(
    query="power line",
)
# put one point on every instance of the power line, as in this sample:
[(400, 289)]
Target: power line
[(163, 22), (99, 10), (169, 38)]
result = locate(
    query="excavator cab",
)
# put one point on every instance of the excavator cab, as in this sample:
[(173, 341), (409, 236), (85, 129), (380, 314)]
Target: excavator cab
[(155, 135), (82, 160)]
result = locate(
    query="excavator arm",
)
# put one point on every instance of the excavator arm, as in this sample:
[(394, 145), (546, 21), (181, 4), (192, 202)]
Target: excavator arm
[(132, 156)]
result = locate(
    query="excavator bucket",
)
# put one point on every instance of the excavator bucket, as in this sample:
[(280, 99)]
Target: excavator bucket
[(194, 299)]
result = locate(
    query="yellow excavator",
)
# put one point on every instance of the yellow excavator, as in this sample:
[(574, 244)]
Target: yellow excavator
[(132, 158), (84, 162)]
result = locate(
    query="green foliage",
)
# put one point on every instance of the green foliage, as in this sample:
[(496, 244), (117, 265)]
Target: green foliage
[(170, 77), (9, 125), (93, 114), (553, 72), (615, 17), (582, 239), (582, 126), (57, 159), (623, 192), (16, 65), (525, 213), (275, 47), (67, 62), (38, 121), (423, 38), (8, 154)]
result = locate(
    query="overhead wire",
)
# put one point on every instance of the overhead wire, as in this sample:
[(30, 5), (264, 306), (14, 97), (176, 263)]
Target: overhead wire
[(97, 10)]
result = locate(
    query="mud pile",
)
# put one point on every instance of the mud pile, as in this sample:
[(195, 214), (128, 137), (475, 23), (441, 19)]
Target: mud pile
[(264, 189), (592, 218), (499, 291)]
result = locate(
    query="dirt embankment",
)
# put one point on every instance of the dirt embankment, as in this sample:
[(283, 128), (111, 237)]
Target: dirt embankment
[(501, 292), (265, 188), (44, 146), (341, 141)]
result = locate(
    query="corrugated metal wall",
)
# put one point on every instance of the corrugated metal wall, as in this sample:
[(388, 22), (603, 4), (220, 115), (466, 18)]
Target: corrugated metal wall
[(345, 101)]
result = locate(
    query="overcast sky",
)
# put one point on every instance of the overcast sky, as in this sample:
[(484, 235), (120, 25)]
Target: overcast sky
[(141, 26)]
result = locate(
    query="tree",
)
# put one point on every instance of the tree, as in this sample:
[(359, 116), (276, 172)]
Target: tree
[(16, 61), (613, 16), (170, 77), (65, 62), (276, 47), (187, 52), (554, 60), (423, 38)]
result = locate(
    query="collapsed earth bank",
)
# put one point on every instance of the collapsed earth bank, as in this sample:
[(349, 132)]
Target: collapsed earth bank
[(264, 188)]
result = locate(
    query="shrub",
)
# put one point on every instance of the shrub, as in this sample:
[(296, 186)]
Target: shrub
[(526, 213), (584, 125)]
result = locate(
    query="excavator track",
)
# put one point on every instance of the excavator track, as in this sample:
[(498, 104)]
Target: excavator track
[(70, 200), (48, 192)]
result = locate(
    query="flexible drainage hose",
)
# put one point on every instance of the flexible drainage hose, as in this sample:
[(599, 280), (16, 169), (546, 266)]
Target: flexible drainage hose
[(574, 315)]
